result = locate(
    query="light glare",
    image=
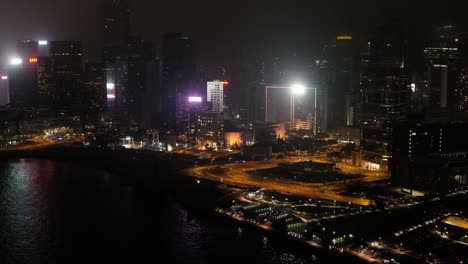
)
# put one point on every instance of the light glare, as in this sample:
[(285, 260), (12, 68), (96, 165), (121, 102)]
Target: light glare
[(110, 86), (16, 61), (195, 99), (298, 89)]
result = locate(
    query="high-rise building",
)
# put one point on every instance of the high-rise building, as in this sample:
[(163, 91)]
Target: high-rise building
[(215, 96), (94, 98), (429, 156), (385, 94), (4, 89), (343, 63), (23, 75), (442, 54), (210, 128), (142, 63), (115, 27), (179, 79), (461, 92), (44, 82), (66, 61)]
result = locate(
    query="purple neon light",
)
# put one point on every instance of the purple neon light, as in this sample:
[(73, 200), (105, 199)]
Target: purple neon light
[(195, 99)]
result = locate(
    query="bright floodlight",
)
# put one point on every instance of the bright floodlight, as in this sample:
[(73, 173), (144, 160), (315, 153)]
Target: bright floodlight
[(195, 99), (298, 89), (111, 96), (4, 77), (110, 86), (16, 61), (43, 42)]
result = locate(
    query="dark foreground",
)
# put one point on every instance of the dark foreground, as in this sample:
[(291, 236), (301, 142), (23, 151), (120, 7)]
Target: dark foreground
[(74, 211)]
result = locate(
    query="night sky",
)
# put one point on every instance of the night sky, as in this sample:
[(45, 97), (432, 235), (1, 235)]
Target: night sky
[(224, 29)]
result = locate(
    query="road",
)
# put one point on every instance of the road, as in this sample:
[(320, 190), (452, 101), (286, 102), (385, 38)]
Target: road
[(240, 174)]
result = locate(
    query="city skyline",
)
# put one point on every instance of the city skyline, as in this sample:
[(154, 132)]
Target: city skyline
[(302, 26)]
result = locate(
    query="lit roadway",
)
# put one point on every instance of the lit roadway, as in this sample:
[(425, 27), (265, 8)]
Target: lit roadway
[(40, 143), (238, 173)]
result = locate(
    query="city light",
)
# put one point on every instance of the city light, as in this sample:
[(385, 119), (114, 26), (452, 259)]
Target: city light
[(225, 82), (32, 60), (195, 99), (298, 89), (16, 61), (413, 87), (110, 86), (4, 77), (43, 42), (344, 37), (111, 96)]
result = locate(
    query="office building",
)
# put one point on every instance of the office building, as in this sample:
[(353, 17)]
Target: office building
[(429, 157), (342, 57), (66, 61), (215, 96), (115, 27), (179, 78), (210, 129), (385, 94), (442, 55), (44, 82), (94, 86), (23, 75), (4, 89)]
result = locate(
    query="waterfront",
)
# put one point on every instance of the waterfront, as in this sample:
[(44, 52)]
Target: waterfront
[(69, 212)]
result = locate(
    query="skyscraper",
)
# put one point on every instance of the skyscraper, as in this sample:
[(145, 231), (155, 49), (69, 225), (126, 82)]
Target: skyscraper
[(215, 96), (4, 89), (179, 77), (23, 76), (94, 87), (442, 55), (66, 61), (44, 82), (385, 94), (343, 64), (115, 26)]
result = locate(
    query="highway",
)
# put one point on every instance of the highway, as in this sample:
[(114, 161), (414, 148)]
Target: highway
[(240, 174)]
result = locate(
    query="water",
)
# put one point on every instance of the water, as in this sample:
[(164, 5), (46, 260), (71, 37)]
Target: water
[(57, 212)]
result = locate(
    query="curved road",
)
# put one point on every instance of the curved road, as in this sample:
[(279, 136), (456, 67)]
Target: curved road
[(238, 173)]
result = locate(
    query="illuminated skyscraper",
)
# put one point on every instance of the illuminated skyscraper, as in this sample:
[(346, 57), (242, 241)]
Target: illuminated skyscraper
[(215, 96), (44, 82)]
